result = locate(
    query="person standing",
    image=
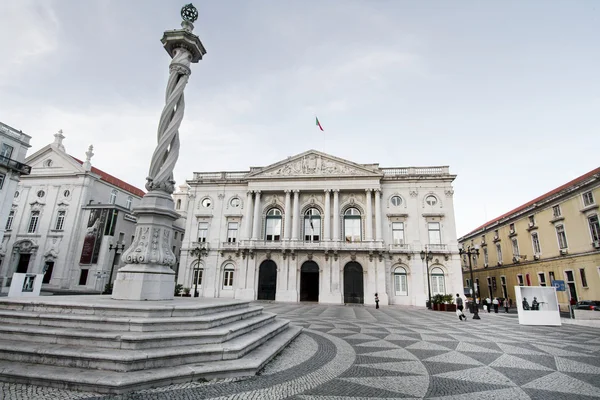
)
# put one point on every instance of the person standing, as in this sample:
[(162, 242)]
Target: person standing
[(376, 300), (489, 304), (460, 307), (496, 303), (506, 304)]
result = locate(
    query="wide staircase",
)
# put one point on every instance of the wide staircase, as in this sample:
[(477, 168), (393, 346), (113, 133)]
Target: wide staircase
[(94, 343)]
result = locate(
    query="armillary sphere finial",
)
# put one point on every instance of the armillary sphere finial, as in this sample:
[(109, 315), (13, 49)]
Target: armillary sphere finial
[(189, 13)]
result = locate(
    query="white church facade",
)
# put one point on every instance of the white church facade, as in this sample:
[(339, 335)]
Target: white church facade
[(68, 220), (315, 227)]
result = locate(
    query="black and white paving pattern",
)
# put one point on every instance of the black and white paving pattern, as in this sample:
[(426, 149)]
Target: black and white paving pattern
[(355, 352)]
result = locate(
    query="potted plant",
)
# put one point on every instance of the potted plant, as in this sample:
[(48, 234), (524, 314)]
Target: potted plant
[(449, 300), (186, 292), (178, 289), (437, 302)]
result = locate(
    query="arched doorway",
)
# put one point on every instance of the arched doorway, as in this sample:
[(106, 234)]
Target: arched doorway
[(267, 280), (309, 281), (353, 283)]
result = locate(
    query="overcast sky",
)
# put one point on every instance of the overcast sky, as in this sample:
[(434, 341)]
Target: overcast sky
[(507, 93)]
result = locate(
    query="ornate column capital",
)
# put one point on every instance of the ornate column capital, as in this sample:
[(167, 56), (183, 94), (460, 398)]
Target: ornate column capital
[(287, 191), (335, 190), (296, 191), (258, 192), (327, 190), (368, 190)]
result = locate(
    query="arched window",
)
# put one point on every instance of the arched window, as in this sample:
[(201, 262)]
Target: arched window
[(400, 282), (312, 225), (113, 197), (129, 201), (228, 276), (273, 225), (437, 281), (352, 231), (178, 204), (198, 272)]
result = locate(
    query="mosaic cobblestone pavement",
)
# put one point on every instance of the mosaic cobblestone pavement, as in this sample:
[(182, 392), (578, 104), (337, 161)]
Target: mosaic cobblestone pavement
[(349, 352)]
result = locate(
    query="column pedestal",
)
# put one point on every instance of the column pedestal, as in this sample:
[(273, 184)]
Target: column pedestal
[(148, 274)]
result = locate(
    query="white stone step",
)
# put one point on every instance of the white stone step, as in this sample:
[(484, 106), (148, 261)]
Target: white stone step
[(134, 340), (132, 360), (124, 323), (103, 381), (105, 306)]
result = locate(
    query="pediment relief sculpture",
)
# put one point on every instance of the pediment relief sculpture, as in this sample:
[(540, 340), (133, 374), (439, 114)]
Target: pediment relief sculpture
[(314, 164)]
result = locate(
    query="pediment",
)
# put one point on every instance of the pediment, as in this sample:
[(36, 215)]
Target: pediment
[(314, 163), (50, 161)]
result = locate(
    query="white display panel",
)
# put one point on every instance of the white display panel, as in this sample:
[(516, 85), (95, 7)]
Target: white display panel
[(25, 285), (537, 305)]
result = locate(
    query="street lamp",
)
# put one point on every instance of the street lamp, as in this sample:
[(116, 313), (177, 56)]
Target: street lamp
[(116, 248), (471, 252), (427, 256), (197, 251)]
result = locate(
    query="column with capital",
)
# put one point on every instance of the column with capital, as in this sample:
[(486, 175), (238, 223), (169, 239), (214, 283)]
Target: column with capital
[(248, 216), (336, 215), (296, 216), (378, 223), (148, 273), (327, 217), (369, 221), (256, 219), (287, 216)]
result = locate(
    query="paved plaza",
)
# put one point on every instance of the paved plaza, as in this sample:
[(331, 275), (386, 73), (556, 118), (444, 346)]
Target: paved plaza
[(355, 352)]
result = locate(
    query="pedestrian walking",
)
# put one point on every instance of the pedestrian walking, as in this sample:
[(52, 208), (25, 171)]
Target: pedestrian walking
[(460, 307), (506, 304), (489, 304), (485, 304), (376, 300), (496, 303)]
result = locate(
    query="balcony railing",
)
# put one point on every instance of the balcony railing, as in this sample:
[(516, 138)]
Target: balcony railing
[(437, 247), (218, 176), (399, 247), (389, 172), (9, 163)]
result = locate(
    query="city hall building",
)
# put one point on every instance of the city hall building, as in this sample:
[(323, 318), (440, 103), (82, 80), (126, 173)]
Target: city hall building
[(314, 227)]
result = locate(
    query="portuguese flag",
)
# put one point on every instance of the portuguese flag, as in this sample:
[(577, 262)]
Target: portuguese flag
[(319, 124)]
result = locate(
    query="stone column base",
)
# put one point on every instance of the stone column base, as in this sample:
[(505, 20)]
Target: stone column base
[(144, 282), (331, 298)]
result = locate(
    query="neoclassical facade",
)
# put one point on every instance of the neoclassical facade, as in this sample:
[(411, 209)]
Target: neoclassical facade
[(315, 227)]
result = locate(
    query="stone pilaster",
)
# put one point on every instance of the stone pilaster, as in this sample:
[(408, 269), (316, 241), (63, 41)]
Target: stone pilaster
[(327, 217)]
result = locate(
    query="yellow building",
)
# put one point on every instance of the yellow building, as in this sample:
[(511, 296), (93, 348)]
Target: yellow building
[(553, 237)]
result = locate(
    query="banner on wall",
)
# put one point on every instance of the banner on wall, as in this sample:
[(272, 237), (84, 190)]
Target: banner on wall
[(93, 236)]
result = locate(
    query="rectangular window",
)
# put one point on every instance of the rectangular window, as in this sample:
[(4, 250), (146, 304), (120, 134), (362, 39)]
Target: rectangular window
[(515, 246), (551, 275), (499, 251), (512, 228), (504, 289), (520, 280), (113, 197), (435, 236), (232, 231), (6, 151), (273, 229), (352, 229), (477, 286), (588, 198), (2, 177), (398, 232), (83, 277), (400, 285), (202, 232), (542, 278), (437, 284), (556, 211), (228, 279), (535, 240), (531, 220), (485, 255), (175, 235), (312, 229), (60, 220), (583, 277), (9, 221), (594, 228), (562, 236), (33, 221), (198, 276)]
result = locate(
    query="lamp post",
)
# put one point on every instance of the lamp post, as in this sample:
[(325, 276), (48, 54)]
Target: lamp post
[(197, 251), (116, 248), (427, 256), (471, 252)]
